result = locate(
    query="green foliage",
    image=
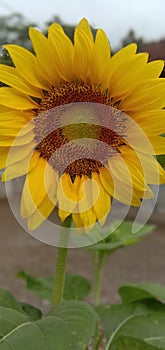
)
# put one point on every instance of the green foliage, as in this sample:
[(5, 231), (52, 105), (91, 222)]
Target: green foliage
[(161, 160), (8, 300), (113, 317), (137, 325), (140, 323), (69, 326), (5, 58), (76, 287), (121, 237), (33, 312), (128, 343), (139, 291), (133, 325)]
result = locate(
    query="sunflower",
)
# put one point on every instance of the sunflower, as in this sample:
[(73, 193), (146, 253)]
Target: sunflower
[(84, 127)]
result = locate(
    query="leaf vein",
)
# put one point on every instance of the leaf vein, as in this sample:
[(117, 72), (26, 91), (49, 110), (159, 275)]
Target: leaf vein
[(117, 329), (13, 330), (154, 338)]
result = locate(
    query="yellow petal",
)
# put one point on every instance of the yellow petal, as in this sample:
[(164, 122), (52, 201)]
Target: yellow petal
[(73, 198), (12, 98), (153, 172), (77, 221), (8, 129), (18, 169), (26, 64), (82, 55), (17, 141), (10, 77), (128, 75), (158, 144), (4, 109), (103, 204), (100, 60), (67, 194), (147, 194), (62, 53), (41, 214), (12, 155), (142, 140), (121, 191), (14, 127), (137, 138), (63, 214), (88, 219), (132, 72), (86, 194), (137, 172), (123, 171), (16, 116), (147, 96), (86, 202), (55, 26), (44, 54), (38, 186), (106, 180), (122, 55), (152, 122), (153, 69), (4, 151), (85, 27)]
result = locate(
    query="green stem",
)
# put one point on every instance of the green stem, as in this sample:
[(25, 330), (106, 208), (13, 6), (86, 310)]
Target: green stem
[(98, 274), (59, 278), (96, 336)]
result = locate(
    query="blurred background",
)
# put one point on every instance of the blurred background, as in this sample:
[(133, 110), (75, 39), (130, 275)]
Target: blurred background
[(117, 18), (124, 22)]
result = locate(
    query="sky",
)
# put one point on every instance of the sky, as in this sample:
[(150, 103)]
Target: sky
[(116, 17)]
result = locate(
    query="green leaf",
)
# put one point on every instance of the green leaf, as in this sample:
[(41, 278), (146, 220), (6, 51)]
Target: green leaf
[(140, 291), (149, 327), (114, 316), (121, 237), (134, 320), (161, 160), (76, 287), (152, 304), (70, 325), (128, 343), (8, 300), (40, 286), (81, 319), (33, 312)]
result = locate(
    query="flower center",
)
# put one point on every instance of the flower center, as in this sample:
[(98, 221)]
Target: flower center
[(77, 129)]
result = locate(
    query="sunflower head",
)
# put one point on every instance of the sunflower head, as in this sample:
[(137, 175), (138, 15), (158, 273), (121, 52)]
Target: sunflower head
[(82, 126)]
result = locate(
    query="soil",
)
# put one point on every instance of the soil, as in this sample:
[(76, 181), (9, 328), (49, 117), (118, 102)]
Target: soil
[(144, 261)]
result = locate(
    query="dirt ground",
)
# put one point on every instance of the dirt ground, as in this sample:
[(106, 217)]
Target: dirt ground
[(144, 261)]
